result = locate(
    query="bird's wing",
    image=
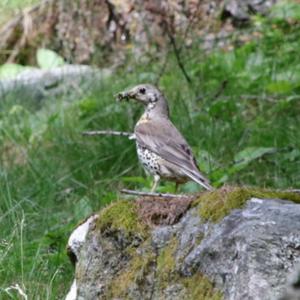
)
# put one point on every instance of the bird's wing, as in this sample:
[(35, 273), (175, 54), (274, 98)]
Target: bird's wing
[(163, 138)]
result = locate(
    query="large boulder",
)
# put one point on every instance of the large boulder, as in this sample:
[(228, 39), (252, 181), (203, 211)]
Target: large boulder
[(241, 10), (68, 81), (229, 244)]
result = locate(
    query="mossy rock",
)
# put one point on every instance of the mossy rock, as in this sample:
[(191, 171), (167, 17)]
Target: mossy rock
[(199, 287), (215, 205), (148, 268), (122, 215), (195, 287), (133, 278), (150, 272)]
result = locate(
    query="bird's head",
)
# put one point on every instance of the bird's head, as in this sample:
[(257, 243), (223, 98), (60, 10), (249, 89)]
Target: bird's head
[(148, 95), (144, 93)]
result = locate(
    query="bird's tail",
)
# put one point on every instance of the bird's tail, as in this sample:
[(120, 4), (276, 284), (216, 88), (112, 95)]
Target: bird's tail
[(197, 177)]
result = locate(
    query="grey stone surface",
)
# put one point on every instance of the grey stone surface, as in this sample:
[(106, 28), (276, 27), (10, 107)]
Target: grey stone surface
[(292, 291), (38, 84), (251, 252), (242, 10), (248, 255)]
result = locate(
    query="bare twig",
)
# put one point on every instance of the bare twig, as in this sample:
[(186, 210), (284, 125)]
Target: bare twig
[(166, 25), (108, 132), (178, 57), (217, 94), (220, 90), (150, 194), (17, 47), (163, 68)]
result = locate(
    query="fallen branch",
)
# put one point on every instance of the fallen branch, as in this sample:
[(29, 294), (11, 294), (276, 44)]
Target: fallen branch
[(109, 132), (151, 194)]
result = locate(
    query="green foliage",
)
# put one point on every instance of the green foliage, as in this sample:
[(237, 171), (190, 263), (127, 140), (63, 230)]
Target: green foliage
[(9, 71), (286, 10), (48, 59), (54, 178), (244, 157)]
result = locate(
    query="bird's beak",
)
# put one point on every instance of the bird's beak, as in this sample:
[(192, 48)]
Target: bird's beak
[(125, 95)]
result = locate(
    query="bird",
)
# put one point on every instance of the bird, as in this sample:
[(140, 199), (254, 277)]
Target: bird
[(162, 150)]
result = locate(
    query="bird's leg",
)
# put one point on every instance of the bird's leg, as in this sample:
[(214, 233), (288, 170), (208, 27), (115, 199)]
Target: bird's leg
[(155, 183)]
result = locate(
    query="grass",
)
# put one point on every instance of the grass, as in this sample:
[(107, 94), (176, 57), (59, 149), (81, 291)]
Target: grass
[(51, 177)]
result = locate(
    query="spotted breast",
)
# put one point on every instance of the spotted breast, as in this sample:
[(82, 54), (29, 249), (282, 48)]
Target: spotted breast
[(149, 160), (155, 165)]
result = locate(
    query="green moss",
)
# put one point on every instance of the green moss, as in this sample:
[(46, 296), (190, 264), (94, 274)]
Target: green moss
[(140, 266), (122, 215), (196, 287), (132, 276), (199, 287), (135, 277), (166, 264), (216, 205)]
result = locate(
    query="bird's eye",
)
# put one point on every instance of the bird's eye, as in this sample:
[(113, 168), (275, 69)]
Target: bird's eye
[(142, 90)]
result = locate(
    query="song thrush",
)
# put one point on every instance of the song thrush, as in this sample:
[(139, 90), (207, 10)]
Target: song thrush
[(162, 150)]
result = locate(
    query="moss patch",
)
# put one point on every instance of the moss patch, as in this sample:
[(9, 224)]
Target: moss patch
[(217, 204), (196, 287), (135, 279), (140, 266), (131, 277), (199, 287), (122, 215), (166, 264)]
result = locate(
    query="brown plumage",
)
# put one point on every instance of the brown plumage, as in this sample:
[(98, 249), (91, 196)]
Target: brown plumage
[(162, 150)]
